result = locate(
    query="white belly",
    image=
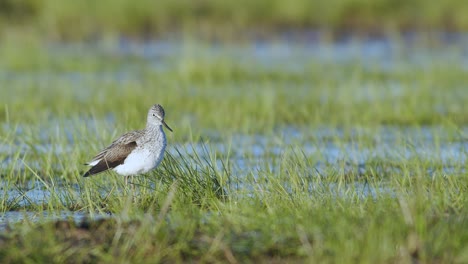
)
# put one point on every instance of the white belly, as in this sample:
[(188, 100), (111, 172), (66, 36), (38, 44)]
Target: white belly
[(140, 161)]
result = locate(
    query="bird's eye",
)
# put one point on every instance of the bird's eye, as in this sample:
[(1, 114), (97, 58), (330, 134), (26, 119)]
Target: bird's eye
[(154, 115)]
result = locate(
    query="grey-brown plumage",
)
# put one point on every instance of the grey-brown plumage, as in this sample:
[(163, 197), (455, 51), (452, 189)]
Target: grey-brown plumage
[(115, 154), (134, 152)]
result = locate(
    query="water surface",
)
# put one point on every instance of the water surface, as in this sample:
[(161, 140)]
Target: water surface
[(328, 149)]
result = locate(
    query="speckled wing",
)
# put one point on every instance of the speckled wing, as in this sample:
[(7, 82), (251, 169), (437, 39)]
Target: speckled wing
[(115, 154)]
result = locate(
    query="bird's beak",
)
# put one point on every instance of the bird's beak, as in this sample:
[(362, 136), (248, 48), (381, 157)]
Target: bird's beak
[(164, 123)]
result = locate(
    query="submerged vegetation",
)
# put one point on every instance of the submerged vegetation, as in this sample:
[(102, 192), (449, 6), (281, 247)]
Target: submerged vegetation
[(286, 150)]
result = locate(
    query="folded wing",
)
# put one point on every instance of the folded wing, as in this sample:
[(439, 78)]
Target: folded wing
[(114, 155)]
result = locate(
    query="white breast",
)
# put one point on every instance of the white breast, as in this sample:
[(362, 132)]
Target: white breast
[(139, 162), (144, 158)]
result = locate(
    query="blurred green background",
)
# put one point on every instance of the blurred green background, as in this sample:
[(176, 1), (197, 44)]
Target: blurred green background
[(88, 18)]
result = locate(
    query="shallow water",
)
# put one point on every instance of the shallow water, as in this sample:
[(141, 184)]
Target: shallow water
[(328, 148), (427, 144)]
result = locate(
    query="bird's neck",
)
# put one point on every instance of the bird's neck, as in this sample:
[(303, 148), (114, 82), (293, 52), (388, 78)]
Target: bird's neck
[(154, 129)]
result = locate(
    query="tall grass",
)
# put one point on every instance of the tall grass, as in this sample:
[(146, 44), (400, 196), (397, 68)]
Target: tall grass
[(291, 214)]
